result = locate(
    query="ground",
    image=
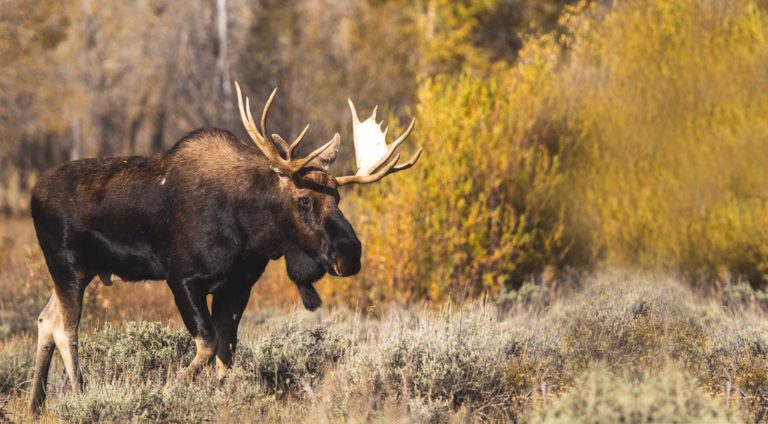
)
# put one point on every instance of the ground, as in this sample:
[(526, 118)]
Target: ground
[(622, 346)]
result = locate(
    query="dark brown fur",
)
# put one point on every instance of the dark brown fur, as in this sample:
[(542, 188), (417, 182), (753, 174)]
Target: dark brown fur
[(206, 216)]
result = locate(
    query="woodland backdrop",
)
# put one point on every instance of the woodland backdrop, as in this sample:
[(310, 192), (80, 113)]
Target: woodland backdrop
[(559, 137)]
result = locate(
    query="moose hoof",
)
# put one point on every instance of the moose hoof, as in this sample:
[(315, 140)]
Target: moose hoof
[(221, 370), (189, 373)]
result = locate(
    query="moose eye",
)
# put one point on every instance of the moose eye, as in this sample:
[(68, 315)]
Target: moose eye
[(305, 203)]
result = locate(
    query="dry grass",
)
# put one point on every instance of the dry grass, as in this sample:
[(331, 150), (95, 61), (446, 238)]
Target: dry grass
[(632, 348)]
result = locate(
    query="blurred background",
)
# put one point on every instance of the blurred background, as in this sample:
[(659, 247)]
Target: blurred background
[(560, 137), (89, 78)]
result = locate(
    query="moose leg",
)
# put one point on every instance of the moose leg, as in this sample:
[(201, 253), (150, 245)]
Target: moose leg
[(45, 346), (190, 301), (57, 325), (66, 334), (228, 308)]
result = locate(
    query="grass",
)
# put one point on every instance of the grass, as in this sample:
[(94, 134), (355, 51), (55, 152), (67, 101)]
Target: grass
[(624, 347)]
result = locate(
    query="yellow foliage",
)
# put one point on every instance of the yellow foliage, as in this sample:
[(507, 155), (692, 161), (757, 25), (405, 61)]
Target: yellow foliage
[(637, 137), (480, 208), (671, 99)]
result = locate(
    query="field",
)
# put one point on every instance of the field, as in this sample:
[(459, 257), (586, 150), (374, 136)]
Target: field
[(617, 346), (584, 239)]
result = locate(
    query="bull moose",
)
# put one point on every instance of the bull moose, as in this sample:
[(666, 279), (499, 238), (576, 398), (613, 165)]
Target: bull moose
[(206, 215)]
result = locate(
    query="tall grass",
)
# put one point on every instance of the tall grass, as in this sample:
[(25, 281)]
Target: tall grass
[(625, 349), (504, 359)]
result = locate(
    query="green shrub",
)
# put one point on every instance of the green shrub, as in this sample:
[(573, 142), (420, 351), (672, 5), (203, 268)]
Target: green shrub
[(293, 358), (176, 402), (666, 354), (16, 362), (146, 350), (439, 363), (641, 315), (666, 396), (113, 403), (431, 411)]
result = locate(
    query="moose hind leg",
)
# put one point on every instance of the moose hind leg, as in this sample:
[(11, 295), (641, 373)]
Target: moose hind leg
[(57, 326), (45, 347), (65, 335)]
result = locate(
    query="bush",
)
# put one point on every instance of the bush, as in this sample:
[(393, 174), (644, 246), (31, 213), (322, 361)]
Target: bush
[(637, 139), (668, 396), (479, 211), (145, 350), (110, 403), (649, 320), (659, 352), (294, 358), (16, 362), (669, 100), (177, 402), (437, 363)]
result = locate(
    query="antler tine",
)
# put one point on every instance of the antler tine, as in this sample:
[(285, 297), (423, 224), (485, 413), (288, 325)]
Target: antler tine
[(372, 178), (281, 142), (250, 117), (405, 133), (249, 127), (297, 141), (289, 149), (392, 147), (354, 111), (410, 163), (266, 111), (305, 161), (266, 146)]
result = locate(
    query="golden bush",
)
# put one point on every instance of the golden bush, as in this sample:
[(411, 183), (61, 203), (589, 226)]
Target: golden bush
[(481, 207), (635, 138), (670, 99)]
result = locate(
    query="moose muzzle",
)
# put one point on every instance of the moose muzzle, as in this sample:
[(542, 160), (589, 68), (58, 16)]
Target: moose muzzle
[(345, 248)]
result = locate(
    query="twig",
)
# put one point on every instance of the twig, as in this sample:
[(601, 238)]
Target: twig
[(16, 387)]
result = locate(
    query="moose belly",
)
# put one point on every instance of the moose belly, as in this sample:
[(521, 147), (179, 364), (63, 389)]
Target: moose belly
[(131, 261)]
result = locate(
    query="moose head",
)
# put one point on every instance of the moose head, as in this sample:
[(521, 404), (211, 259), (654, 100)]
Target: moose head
[(318, 237)]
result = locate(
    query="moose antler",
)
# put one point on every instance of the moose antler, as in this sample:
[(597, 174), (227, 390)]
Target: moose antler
[(288, 165), (372, 154)]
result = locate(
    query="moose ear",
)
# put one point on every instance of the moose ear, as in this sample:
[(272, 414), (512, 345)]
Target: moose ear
[(325, 160)]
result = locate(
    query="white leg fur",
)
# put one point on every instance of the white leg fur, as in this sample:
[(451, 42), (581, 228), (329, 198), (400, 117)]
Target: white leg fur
[(204, 354), (45, 347), (53, 329)]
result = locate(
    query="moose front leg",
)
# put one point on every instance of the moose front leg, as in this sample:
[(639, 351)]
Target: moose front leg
[(228, 308), (190, 300)]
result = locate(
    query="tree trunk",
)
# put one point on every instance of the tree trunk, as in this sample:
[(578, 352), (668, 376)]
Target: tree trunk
[(222, 63)]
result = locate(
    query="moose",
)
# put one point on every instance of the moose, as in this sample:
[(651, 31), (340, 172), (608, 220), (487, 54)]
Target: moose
[(206, 216)]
